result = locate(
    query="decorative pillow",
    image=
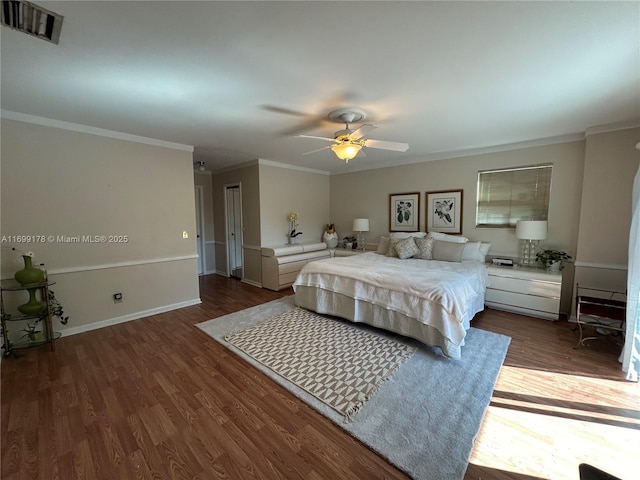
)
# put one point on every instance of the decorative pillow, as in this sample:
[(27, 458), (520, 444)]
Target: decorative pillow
[(406, 248), (447, 251), (448, 238), (401, 235), (383, 245), (392, 252), (425, 247)]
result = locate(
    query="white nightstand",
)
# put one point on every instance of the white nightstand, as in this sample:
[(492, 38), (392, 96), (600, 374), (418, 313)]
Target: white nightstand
[(525, 290)]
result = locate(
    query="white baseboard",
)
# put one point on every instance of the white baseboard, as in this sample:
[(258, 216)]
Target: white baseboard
[(129, 317), (252, 282)]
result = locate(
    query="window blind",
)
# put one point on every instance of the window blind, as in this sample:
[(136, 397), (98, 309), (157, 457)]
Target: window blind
[(508, 195)]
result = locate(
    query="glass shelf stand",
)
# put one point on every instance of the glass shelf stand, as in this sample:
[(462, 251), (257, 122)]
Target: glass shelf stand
[(6, 317)]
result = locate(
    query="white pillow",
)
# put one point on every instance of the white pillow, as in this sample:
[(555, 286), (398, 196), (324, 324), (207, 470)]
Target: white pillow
[(475, 251), (383, 245), (401, 235), (448, 238)]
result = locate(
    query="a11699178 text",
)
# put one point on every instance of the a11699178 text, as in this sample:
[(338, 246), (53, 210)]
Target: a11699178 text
[(65, 239)]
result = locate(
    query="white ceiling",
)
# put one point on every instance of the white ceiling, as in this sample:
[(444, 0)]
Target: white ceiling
[(442, 76)]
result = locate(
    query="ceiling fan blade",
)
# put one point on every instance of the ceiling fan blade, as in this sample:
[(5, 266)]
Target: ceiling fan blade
[(310, 124), (326, 139), (384, 145), (362, 131), (312, 121), (317, 150), (286, 111)]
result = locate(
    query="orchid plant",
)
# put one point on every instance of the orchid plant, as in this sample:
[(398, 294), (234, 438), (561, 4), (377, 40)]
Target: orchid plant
[(293, 225)]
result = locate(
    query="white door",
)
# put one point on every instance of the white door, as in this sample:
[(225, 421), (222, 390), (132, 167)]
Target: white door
[(199, 223), (234, 231)]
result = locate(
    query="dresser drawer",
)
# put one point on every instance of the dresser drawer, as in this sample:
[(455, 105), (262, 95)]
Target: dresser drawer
[(500, 298), (528, 291), (529, 287)]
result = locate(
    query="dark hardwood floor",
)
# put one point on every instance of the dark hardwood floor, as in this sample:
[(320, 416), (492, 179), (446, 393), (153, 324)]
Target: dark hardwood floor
[(156, 398)]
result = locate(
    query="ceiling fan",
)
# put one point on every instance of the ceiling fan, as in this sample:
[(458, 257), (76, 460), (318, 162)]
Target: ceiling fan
[(348, 143)]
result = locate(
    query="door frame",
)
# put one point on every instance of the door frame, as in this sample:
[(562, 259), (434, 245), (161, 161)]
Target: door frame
[(202, 258), (226, 228)]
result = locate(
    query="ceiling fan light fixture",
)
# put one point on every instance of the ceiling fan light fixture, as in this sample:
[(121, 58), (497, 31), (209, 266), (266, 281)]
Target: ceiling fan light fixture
[(346, 151)]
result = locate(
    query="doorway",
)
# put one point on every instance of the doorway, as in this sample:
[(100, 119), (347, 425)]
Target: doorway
[(199, 229), (233, 201)]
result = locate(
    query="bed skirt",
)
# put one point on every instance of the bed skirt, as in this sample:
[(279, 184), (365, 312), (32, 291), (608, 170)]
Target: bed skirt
[(339, 305)]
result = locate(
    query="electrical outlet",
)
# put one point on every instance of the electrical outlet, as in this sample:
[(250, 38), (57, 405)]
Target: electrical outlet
[(117, 297), (185, 234)]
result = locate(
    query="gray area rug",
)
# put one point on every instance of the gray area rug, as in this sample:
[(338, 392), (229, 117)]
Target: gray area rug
[(425, 417), (339, 364)]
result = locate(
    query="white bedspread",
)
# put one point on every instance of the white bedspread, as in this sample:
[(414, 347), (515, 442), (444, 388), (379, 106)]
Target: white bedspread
[(435, 293)]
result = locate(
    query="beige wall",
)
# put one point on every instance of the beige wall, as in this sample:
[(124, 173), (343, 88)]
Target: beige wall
[(59, 183), (611, 162), (269, 193), (248, 179), (366, 194), (285, 190), (205, 181)]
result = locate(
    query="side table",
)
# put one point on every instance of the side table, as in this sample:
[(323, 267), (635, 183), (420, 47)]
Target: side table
[(7, 318)]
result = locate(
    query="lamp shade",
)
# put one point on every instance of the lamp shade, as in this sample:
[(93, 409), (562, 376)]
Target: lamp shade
[(531, 229), (360, 224), (346, 151)]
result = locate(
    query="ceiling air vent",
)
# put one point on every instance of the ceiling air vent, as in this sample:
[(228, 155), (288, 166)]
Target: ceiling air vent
[(31, 19)]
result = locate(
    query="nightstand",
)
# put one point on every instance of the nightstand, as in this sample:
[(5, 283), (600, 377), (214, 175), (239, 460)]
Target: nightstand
[(525, 290)]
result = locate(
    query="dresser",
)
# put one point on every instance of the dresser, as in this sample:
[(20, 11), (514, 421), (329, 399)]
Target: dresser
[(525, 290), (281, 264)]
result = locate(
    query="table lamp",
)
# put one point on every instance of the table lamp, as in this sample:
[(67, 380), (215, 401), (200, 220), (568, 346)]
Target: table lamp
[(360, 225), (530, 232)]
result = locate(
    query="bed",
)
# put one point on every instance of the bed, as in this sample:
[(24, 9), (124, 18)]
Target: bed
[(432, 301)]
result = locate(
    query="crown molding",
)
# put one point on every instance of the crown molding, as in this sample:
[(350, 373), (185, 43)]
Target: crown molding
[(613, 127), (447, 155), (288, 166), (231, 168), (76, 127)]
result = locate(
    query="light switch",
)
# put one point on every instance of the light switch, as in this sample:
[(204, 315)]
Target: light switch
[(185, 234)]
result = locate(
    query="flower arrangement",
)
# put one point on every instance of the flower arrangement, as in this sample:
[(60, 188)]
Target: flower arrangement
[(293, 225)]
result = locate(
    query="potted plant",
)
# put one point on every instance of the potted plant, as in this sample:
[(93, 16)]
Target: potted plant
[(293, 228), (552, 259), (56, 309), (31, 331), (349, 242)]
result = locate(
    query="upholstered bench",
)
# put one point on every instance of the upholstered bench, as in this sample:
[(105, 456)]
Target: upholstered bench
[(281, 265)]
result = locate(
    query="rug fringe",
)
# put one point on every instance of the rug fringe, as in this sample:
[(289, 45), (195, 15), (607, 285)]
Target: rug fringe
[(348, 418)]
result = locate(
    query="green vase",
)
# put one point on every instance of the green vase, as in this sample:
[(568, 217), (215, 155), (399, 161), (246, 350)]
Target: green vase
[(33, 306), (29, 274)]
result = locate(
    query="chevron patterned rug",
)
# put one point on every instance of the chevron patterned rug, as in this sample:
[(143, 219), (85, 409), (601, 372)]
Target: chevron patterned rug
[(335, 362)]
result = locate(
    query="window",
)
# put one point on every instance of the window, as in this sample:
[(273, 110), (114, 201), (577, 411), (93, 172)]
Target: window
[(508, 195)]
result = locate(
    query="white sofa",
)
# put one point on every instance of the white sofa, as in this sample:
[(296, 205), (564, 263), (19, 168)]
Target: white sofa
[(281, 265)]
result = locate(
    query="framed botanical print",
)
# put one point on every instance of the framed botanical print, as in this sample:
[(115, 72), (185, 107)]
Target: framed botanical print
[(404, 212), (444, 211)]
